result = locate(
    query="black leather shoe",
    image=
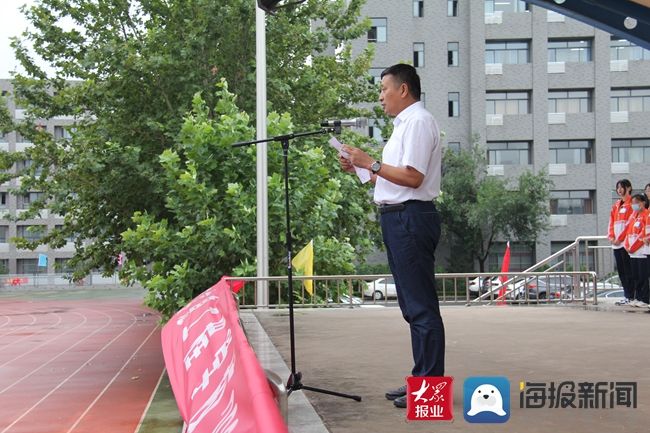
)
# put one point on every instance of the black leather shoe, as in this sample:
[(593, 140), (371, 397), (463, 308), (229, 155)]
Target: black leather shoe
[(400, 402), (395, 393)]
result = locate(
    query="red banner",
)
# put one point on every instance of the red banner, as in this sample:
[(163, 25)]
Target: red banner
[(218, 383)]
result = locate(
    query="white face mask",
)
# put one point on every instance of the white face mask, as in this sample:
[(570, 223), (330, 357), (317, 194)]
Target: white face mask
[(636, 207)]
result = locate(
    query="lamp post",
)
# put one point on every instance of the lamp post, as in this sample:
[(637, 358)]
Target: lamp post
[(262, 287)]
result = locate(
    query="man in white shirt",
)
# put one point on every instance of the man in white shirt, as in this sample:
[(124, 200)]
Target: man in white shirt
[(406, 182)]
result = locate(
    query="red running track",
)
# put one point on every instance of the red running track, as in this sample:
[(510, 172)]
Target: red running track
[(77, 365)]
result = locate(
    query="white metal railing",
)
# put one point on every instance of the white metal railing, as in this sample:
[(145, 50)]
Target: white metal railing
[(452, 288), (569, 259), (573, 250)]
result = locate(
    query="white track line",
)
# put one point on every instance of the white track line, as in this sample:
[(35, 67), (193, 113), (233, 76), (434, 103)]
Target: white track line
[(53, 325), (103, 391), (110, 320), (22, 327), (68, 378), (153, 394), (85, 319), (7, 322)]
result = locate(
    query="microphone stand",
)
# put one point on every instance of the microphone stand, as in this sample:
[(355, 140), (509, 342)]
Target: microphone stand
[(294, 383)]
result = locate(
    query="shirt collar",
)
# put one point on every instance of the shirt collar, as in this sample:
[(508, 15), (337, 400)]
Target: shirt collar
[(405, 113)]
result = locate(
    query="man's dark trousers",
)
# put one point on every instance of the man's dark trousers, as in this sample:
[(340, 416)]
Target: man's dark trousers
[(411, 236)]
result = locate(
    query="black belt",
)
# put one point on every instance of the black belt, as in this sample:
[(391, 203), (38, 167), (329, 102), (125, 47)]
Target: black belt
[(385, 208)]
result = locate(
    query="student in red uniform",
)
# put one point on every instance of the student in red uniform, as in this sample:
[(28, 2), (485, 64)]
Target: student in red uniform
[(646, 240), (620, 214), (635, 235)]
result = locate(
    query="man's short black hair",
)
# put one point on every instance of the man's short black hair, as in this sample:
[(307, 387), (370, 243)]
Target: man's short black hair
[(404, 73)]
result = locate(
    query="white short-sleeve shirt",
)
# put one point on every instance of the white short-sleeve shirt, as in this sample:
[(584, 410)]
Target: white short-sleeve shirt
[(415, 142)]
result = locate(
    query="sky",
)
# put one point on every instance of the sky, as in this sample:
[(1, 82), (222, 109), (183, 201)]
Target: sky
[(12, 23)]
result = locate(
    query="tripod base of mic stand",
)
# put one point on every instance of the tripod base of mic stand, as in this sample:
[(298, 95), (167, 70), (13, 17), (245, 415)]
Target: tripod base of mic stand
[(294, 384)]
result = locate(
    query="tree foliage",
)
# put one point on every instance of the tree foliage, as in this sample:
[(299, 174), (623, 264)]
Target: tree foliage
[(478, 210), (148, 168)]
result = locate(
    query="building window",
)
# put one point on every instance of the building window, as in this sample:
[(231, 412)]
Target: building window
[(418, 8), (507, 52), (572, 202), (630, 99), (24, 166), (62, 132), (4, 137), (509, 152), (587, 255), (453, 104), (378, 30), (571, 151), (27, 266), (452, 53), (454, 146), (622, 49), (31, 233), (492, 6), (569, 101), (374, 130), (635, 150), (522, 256), (569, 50), (21, 139), (4, 266), (452, 8), (68, 238), (61, 266), (25, 200), (375, 75), (507, 102), (4, 232), (418, 54), (423, 99), (3, 200)]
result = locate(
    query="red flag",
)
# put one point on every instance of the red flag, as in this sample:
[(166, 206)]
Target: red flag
[(235, 285), (505, 266)]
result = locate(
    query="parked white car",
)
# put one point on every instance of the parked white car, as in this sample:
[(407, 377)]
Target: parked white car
[(611, 283), (382, 288), (609, 296), (483, 284)]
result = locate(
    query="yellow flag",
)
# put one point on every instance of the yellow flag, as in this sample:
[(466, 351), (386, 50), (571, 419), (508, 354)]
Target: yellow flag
[(304, 262)]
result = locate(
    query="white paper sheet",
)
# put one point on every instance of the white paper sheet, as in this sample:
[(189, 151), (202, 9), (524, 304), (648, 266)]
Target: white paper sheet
[(362, 173)]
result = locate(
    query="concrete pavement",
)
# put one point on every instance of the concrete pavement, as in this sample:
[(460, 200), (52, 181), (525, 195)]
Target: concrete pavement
[(367, 351)]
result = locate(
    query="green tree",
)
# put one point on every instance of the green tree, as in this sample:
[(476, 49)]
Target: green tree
[(128, 71), (478, 210), (210, 199)]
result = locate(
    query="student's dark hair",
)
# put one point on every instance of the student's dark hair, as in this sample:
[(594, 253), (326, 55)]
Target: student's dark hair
[(404, 73), (646, 187), (642, 198), (624, 183)]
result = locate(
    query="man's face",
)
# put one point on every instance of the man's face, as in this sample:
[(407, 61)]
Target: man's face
[(390, 95)]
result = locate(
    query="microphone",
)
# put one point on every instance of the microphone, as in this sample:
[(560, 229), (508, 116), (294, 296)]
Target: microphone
[(359, 122)]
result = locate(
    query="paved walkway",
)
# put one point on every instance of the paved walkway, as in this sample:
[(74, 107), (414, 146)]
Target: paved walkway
[(367, 351)]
